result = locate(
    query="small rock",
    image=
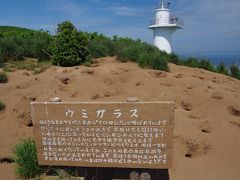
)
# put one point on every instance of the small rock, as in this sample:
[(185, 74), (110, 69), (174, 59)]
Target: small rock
[(145, 176), (55, 99), (134, 175), (132, 99)]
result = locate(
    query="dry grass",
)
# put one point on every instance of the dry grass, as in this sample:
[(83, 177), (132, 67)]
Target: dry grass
[(26, 64)]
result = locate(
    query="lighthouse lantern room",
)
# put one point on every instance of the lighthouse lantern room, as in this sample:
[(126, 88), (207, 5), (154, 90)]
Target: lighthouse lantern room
[(164, 25)]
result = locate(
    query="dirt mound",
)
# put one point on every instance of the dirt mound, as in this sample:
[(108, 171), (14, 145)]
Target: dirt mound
[(206, 143)]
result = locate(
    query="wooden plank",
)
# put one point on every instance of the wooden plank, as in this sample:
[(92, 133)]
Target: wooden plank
[(115, 134)]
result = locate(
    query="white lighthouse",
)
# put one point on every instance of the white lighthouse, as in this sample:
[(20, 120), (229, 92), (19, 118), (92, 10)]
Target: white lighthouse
[(164, 25)]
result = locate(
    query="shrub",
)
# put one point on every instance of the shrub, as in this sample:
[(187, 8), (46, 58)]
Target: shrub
[(3, 77), (191, 62), (2, 106), (175, 59), (26, 159), (221, 68), (69, 47), (16, 45), (128, 49), (40, 45), (144, 54), (101, 47), (206, 64), (235, 72)]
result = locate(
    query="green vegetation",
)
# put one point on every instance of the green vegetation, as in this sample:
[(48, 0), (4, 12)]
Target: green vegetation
[(206, 64), (26, 159), (100, 46), (221, 68), (235, 71), (190, 62), (69, 46), (27, 64), (16, 43), (3, 77), (12, 29), (147, 56), (2, 106)]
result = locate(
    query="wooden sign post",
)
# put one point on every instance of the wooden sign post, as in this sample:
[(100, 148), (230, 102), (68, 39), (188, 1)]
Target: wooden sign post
[(104, 134)]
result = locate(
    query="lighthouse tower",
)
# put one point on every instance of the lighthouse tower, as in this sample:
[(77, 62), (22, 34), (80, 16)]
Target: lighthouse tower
[(164, 25)]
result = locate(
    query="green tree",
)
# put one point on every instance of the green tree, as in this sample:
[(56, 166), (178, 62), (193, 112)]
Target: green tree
[(69, 47)]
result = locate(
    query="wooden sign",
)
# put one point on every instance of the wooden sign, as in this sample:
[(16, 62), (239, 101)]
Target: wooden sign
[(104, 134)]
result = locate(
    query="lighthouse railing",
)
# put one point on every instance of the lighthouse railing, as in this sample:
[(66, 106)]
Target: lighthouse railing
[(172, 20), (165, 5)]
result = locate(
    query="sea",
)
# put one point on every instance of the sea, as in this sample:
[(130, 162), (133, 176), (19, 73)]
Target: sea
[(215, 59)]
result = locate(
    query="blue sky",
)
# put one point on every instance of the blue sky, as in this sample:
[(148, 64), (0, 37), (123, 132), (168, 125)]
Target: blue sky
[(212, 26)]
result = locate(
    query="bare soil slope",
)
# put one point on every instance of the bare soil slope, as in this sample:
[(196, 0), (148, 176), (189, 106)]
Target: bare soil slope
[(207, 117)]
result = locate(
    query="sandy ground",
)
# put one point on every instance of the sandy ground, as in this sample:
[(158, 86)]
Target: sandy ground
[(207, 116)]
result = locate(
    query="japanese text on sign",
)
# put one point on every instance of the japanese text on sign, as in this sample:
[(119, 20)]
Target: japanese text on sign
[(133, 135)]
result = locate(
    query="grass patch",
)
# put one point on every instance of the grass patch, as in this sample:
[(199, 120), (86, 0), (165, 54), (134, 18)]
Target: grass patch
[(25, 156), (2, 106), (3, 77), (26, 64)]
